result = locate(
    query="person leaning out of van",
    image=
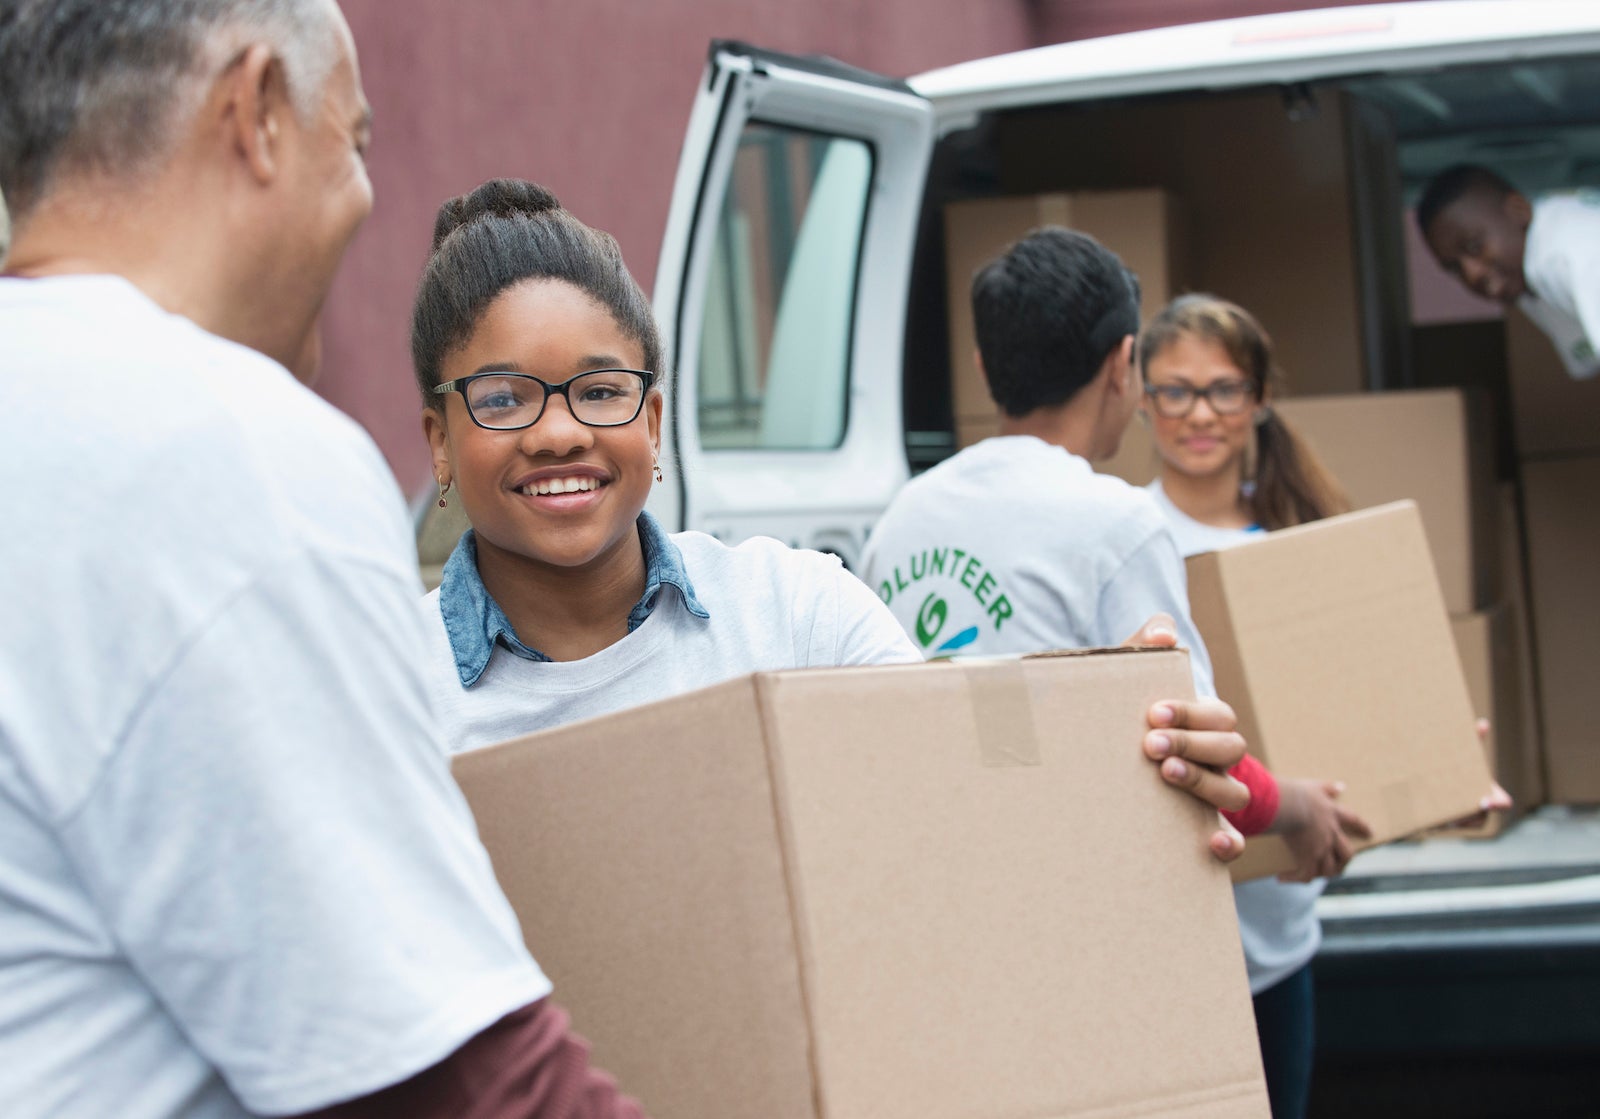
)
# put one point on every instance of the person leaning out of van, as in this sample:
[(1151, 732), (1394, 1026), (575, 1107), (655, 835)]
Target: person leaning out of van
[(1542, 257), (539, 363), (1231, 468)]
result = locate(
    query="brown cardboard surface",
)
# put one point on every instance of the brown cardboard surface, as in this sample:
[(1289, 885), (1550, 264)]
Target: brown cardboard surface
[(1552, 413), (1487, 642), (1262, 195), (935, 891), (1429, 446), (1513, 587), (1140, 226), (1563, 540), (1332, 642)]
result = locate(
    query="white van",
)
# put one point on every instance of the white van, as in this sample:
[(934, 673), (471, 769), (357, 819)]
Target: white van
[(805, 300)]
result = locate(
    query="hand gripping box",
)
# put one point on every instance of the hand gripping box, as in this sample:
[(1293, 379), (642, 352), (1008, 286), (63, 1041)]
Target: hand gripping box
[(911, 892), (1332, 643)]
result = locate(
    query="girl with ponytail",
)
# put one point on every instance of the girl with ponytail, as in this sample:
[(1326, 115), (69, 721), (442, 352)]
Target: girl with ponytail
[(1231, 467)]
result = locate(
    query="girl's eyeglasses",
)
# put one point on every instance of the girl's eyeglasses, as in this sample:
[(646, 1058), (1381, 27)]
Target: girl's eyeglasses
[(1227, 398), (510, 401)]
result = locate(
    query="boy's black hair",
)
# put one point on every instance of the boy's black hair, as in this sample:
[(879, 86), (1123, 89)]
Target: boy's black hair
[(1047, 313), (1454, 182)]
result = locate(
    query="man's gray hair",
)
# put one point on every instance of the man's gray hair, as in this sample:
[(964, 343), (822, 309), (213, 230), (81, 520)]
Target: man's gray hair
[(103, 86)]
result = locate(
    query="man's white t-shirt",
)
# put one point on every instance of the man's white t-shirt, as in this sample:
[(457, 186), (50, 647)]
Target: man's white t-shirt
[(1015, 545), (235, 874), (1277, 920), (1561, 262), (766, 607)]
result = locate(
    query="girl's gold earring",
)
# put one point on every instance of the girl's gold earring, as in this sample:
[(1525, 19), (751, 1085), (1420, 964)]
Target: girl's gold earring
[(657, 467), (444, 487)]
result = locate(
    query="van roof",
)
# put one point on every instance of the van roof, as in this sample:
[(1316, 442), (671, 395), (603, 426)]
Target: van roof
[(1274, 49)]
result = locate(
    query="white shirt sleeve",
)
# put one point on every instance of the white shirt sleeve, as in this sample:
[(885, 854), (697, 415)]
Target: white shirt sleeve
[(1586, 299), (1152, 581), (279, 849), (864, 631)]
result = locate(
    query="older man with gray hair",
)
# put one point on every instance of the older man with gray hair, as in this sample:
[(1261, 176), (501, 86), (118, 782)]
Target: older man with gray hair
[(235, 875)]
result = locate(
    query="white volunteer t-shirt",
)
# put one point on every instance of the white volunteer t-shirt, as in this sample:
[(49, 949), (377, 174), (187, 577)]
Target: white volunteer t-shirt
[(1561, 262), (234, 871), (1015, 545), (770, 607), (1277, 920)]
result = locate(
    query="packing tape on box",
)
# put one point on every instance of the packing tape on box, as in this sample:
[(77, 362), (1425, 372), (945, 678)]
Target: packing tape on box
[(1002, 710)]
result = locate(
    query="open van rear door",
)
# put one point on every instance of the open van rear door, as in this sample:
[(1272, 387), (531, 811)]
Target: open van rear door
[(787, 247)]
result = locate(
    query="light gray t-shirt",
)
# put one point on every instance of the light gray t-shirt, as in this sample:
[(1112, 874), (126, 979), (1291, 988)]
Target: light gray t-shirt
[(235, 873), (1277, 920), (1015, 545), (766, 607)]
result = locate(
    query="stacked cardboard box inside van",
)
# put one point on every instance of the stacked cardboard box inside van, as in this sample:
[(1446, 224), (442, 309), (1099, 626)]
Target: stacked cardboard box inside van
[(1557, 436)]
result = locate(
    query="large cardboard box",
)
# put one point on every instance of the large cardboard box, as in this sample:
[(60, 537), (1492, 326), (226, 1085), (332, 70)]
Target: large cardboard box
[(930, 891), (1552, 413), (1563, 522), (1143, 227), (1332, 643), (1430, 446)]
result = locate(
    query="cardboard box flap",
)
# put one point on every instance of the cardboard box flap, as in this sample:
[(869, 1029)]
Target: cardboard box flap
[(680, 896), (879, 777)]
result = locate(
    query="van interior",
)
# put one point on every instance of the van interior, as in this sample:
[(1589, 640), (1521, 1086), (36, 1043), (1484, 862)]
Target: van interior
[(1292, 201)]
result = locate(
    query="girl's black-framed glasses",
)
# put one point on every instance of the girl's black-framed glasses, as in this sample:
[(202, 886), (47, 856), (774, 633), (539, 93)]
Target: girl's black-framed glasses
[(512, 401), (1227, 398)]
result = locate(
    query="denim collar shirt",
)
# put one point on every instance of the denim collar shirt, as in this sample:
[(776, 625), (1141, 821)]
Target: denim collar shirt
[(475, 622)]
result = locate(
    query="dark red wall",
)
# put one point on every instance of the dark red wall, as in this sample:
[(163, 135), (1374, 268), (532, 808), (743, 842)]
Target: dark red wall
[(591, 98)]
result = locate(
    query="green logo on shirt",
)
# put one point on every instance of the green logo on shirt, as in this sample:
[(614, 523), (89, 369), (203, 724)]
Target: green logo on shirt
[(947, 563)]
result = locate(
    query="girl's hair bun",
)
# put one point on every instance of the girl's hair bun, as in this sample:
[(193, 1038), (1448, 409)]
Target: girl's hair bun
[(507, 198)]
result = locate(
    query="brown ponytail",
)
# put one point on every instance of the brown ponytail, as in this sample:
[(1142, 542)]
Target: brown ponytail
[(1291, 486)]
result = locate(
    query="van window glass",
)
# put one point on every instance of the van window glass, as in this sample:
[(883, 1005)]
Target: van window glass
[(774, 371)]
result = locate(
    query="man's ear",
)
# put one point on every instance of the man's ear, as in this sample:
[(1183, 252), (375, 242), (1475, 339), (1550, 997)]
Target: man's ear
[(1122, 375), (256, 110)]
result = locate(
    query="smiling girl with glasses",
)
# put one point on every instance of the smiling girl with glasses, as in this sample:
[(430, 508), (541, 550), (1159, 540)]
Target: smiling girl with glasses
[(539, 363)]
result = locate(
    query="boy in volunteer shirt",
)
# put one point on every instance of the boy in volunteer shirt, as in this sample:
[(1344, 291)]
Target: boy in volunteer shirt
[(1016, 545), (1543, 257)]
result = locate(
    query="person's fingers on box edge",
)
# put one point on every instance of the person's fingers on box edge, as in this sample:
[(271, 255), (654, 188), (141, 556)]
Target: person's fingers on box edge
[(1194, 714), (1216, 789), (1216, 749), (1159, 630), (1352, 824), (1226, 843)]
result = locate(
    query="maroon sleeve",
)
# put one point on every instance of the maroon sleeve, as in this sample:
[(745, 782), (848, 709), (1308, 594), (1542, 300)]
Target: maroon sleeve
[(528, 1065), (1257, 816)]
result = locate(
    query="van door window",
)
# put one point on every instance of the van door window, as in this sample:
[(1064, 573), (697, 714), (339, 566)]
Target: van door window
[(774, 369)]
